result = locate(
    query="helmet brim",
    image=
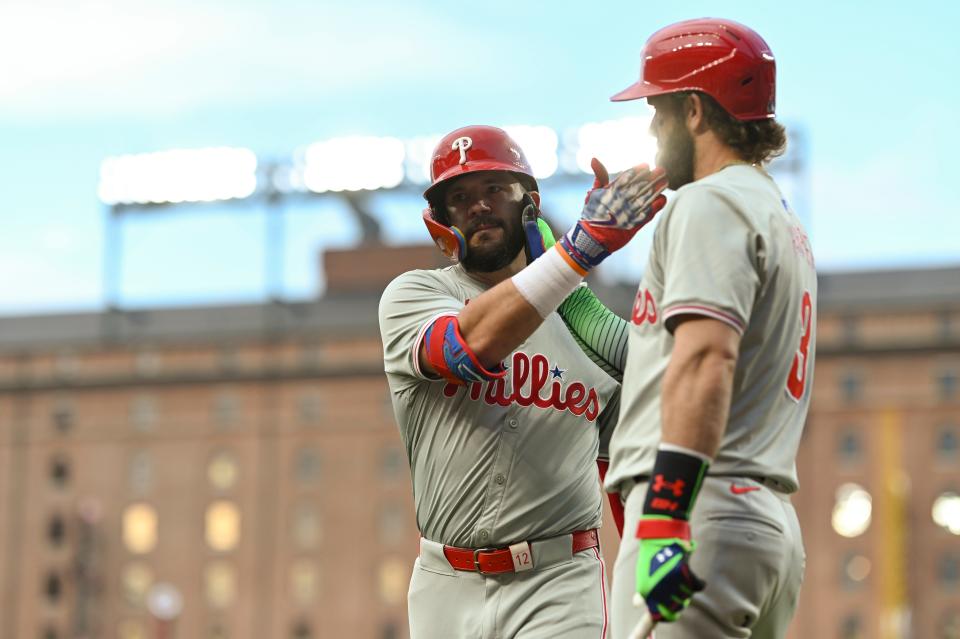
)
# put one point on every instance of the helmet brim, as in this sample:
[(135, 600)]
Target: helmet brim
[(644, 89), (473, 167)]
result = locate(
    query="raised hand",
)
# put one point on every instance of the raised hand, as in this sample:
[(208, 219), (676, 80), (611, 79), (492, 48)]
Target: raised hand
[(612, 214)]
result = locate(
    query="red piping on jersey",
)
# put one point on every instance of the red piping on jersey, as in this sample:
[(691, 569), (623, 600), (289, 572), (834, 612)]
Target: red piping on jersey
[(603, 593), (704, 310)]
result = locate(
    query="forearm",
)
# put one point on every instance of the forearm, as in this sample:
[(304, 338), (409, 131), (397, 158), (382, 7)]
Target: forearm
[(695, 400), (495, 323), (472, 345)]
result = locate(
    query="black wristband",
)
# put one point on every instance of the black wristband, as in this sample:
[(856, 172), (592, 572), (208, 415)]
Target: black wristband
[(674, 484)]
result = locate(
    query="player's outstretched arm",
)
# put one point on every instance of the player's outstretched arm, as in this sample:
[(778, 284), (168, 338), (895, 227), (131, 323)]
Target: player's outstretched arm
[(470, 346)]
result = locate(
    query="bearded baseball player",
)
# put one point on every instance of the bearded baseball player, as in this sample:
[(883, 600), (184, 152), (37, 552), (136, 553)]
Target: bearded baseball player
[(498, 405), (721, 355)]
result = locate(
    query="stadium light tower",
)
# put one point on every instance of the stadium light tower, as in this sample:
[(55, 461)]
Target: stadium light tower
[(352, 167), (177, 176)]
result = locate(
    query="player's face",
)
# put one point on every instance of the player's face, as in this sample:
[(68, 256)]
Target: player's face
[(486, 206), (674, 142)]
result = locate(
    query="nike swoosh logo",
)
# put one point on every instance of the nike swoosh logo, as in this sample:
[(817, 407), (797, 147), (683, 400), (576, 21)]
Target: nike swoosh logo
[(742, 490)]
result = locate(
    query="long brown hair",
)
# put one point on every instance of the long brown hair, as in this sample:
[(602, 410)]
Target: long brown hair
[(756, 141)]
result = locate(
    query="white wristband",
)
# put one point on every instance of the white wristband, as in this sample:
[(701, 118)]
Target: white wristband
[(547, 281)]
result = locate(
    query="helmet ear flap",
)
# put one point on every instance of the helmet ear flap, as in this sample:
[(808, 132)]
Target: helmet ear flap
[(449, 239), (437, 208)]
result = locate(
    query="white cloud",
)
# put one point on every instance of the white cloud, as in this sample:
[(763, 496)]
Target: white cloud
[(61, 47), (139, 57)]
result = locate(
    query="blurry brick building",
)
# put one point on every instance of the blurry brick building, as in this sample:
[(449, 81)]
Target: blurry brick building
[(247, 457)]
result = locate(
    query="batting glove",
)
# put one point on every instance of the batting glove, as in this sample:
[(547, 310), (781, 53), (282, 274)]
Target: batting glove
[(665, 582), (613, 213), (664, 579)]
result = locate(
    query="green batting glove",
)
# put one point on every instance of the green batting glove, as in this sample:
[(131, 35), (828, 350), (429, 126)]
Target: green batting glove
[(664, 579)]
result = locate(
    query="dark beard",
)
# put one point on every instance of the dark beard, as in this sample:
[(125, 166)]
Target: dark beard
[(494, 258), (676, 158)]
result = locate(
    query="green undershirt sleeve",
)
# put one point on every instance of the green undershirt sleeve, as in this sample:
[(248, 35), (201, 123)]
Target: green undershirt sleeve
[(601, 333)]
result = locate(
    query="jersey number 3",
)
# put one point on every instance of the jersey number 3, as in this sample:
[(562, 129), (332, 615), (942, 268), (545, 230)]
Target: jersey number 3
[(797, 380)]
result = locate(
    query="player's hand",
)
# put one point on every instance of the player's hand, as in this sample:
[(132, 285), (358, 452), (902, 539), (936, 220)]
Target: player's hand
[(613, 212), (665, 582)]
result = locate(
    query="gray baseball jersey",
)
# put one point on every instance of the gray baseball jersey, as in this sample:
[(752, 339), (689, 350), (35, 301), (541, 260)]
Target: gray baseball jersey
[(728, 247), (497, 462)]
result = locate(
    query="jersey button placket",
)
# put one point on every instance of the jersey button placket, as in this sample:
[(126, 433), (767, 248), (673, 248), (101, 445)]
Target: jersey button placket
[(496, 483)]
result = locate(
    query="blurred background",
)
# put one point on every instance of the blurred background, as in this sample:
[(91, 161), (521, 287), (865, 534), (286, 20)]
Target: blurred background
[(202, 202)]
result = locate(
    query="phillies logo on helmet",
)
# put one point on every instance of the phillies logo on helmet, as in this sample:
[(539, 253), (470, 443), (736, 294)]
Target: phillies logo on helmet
[(463, 144)]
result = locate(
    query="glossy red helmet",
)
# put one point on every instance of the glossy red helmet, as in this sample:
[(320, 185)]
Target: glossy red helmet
[(477, 148), (724, 59), (466, 150)]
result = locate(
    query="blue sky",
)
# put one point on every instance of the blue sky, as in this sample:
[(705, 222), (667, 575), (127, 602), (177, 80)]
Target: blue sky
[(872, 85)]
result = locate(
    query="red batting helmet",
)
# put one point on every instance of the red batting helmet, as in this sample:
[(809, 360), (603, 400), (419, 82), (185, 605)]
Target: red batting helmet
[(466, 150), (726, 60), (477, 148)]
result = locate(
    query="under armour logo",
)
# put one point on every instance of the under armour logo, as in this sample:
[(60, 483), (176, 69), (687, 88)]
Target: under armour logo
[(463, 144), (676, 486)]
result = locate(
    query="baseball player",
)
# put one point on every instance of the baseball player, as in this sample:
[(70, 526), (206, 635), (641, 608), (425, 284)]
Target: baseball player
[(720, 369), (497, 404)]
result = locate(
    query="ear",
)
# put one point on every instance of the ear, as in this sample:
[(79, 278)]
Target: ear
[(536, 198), (695, 117)]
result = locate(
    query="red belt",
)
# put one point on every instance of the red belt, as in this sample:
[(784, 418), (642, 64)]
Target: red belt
[(500, 560)]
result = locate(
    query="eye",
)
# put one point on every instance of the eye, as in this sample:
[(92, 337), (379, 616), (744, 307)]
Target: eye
[(494, 188)]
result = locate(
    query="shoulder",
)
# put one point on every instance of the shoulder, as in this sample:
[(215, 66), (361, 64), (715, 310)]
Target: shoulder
[(714, 189), (417, 282), (719, 200), (421, 290)]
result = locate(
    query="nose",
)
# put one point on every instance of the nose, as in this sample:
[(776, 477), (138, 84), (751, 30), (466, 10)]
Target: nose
[(478, 205), (656, 123)]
